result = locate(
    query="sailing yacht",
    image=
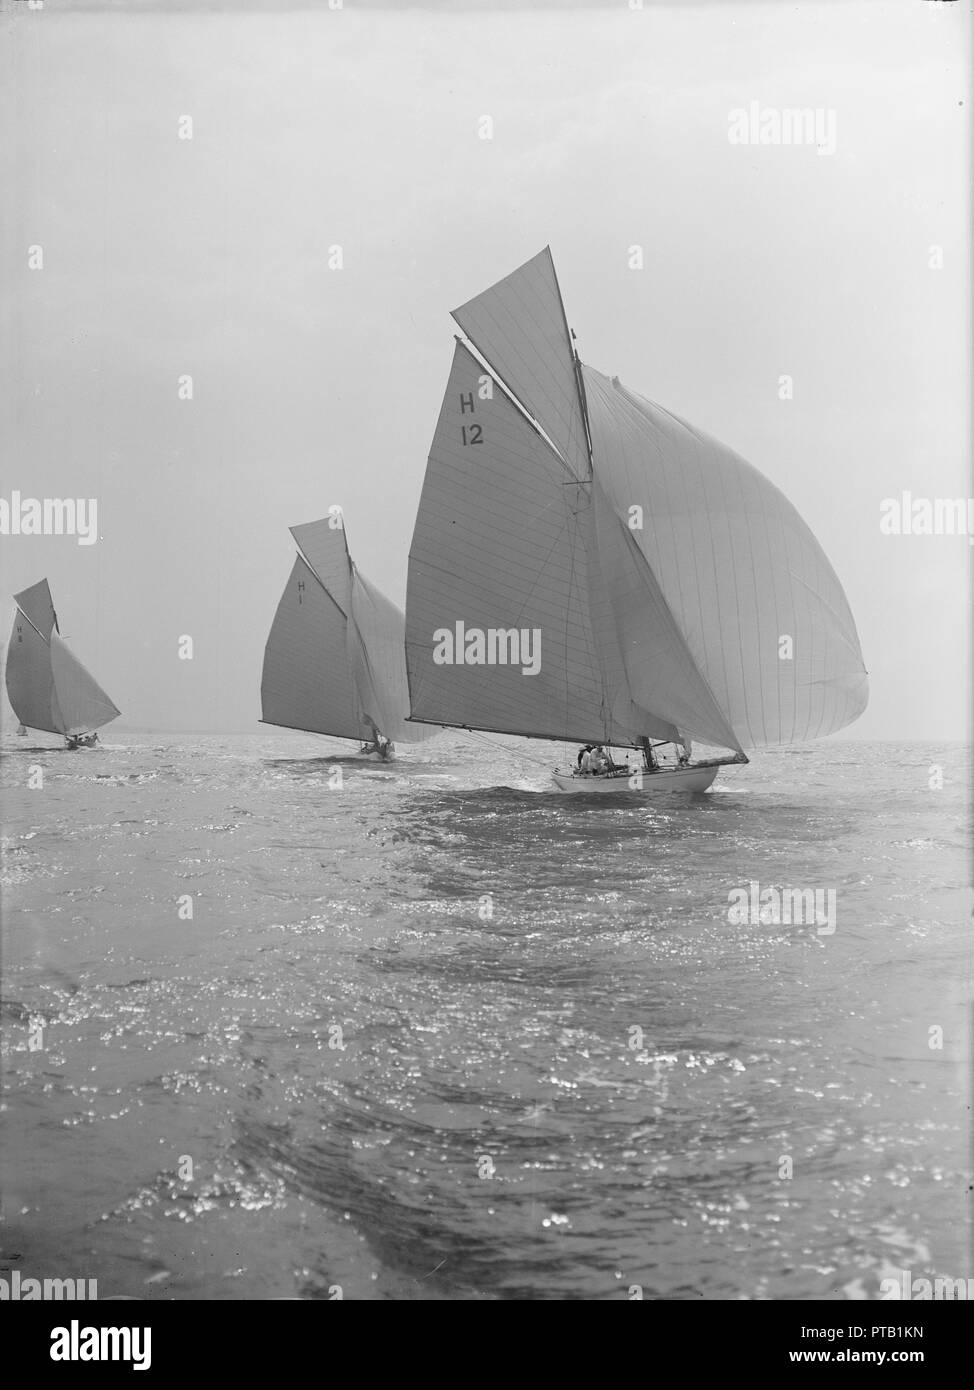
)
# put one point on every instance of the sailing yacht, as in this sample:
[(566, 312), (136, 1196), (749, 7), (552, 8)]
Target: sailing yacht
[(334, 662), (48, 687), (668, 593)]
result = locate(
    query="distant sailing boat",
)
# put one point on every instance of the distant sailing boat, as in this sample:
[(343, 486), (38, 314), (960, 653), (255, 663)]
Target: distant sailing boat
[(48, 687), (588, 567), (334, 661)]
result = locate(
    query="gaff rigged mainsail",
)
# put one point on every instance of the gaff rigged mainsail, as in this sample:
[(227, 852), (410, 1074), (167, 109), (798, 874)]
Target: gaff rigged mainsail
[(334, 662), (47, 685), (659, 569)]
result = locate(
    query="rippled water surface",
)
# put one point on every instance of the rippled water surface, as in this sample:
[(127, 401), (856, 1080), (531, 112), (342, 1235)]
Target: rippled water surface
[(441, 1033)]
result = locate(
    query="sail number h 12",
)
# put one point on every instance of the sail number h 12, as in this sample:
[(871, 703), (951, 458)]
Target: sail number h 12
[(492, 646), (469, 433)]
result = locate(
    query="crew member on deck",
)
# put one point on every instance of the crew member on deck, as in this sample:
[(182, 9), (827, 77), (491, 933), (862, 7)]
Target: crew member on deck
[(600, 762), (609, 763)]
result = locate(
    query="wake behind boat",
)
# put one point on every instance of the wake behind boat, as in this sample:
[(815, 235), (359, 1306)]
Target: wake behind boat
[(47, 685), (334, 661), (586, 566)]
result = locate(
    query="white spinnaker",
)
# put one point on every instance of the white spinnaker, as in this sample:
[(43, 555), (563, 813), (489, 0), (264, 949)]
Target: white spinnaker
[(738, 568), (501, 543), (30, 685), (307, 682), (519, 326), (83, 704)]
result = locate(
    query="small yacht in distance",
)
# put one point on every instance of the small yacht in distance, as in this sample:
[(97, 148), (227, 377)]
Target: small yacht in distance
[(48, 687), (335, 662)]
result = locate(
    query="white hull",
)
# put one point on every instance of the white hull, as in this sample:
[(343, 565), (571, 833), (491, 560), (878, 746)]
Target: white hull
[(677, 779)]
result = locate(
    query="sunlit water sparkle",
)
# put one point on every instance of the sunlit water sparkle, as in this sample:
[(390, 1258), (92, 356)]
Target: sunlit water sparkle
[(493, 1126)]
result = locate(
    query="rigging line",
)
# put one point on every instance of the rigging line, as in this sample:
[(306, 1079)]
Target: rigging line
[(576, 363), (34, 625), (541, 570), (499, 747), (572, 538)]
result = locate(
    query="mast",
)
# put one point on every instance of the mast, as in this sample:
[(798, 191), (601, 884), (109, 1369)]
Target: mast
[(577, 366), (579, 381)]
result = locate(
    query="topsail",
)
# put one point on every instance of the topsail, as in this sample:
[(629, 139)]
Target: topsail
[(334, 662), (660, 572), (48, 686)]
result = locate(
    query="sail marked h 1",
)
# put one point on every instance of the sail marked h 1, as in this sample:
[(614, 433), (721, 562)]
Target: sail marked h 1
[(334, 662)]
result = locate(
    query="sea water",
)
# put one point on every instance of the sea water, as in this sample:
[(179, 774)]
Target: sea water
[(279, 1022)]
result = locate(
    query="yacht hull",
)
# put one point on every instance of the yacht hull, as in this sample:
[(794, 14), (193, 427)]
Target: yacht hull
[(677, 779)]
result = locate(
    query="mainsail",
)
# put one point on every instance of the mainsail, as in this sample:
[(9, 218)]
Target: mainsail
[(500, 534), (334, 662), (675, 592), (48, 686)]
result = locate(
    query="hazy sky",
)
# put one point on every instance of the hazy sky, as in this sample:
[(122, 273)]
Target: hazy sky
[(360, 128)]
